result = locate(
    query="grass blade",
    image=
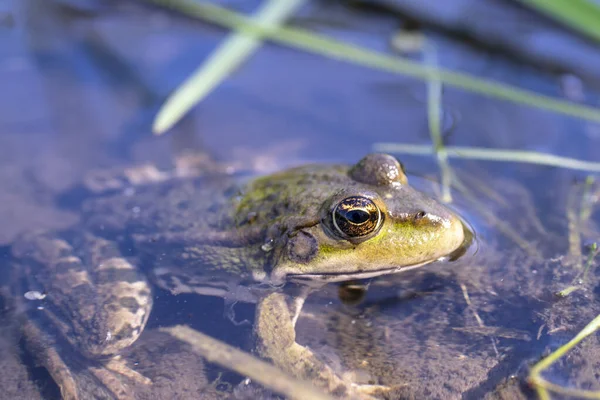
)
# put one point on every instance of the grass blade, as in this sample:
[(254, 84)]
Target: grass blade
[(434, 121), (479, 153), (222, 62), (582, 16)]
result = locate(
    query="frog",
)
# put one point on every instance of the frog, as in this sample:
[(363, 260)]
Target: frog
[(270, 240), (438, 332)]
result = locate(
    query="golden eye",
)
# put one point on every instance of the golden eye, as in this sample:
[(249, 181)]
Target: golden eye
[(356, 216)]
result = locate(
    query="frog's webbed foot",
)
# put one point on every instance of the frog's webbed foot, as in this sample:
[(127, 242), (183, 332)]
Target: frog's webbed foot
[(276, 318), (111, 373), (372, 390), (94, 304), (81, 380), (119, 366)]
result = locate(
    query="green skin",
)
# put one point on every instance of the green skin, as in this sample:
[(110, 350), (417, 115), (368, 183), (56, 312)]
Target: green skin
[(214, 237)]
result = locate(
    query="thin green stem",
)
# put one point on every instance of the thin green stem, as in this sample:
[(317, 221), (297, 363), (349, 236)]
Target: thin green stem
[(221, 63), (434, 120), (479, 153), (535, 375), (590, 260)]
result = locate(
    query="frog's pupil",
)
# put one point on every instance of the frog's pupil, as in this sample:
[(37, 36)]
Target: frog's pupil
[(357, 216)]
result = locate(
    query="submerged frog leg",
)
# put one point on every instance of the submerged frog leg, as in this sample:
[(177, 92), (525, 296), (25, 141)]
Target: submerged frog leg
[(96, 302), (276, 317), (277, 314), (118, 388), (186, 165), (41, 347)]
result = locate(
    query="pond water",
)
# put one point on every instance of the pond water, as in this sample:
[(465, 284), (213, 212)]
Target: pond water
[(82, 83)]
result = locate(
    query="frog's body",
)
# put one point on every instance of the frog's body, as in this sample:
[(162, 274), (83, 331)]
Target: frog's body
[(309, 225)]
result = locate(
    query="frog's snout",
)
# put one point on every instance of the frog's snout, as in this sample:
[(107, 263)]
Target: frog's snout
[(453, 234)]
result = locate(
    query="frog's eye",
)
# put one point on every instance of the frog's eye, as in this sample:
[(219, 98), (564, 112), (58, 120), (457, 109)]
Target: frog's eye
[(356, 216)]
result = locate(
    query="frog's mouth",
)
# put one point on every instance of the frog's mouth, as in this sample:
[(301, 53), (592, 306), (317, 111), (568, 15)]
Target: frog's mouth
[(348, 276)]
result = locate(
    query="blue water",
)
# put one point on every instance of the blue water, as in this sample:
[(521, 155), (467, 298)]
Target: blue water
[(81, 85)]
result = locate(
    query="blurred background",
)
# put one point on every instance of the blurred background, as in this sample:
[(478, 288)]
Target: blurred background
[(82, 83), (83, 80)]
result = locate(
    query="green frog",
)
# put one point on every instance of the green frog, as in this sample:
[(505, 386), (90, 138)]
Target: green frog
[(270, 240)]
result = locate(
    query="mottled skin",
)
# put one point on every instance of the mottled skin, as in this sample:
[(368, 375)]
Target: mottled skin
[(216, 235)]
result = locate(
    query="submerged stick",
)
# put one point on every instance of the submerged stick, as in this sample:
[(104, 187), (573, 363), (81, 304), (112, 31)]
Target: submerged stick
[(244, 364)]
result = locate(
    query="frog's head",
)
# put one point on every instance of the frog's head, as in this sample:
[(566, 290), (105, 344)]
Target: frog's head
[(369, 222)]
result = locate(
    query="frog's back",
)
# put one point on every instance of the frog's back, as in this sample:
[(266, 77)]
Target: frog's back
[(173, 206), (216, 203)]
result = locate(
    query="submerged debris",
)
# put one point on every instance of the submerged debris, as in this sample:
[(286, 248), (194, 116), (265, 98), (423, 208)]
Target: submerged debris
[(34, 295)]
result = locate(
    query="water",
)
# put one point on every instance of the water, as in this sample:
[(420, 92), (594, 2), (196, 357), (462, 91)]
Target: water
[(80, 88)]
